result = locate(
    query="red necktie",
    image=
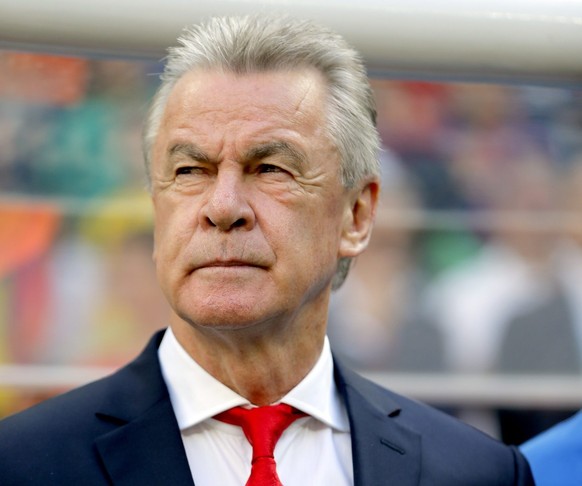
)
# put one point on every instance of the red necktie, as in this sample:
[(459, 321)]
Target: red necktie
[(262, 427)]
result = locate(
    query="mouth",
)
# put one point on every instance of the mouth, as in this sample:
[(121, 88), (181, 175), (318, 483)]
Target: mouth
[(229, 264), (234, 264)]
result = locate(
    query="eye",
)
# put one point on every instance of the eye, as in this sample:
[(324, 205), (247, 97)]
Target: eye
[(268, 168), (188, 170)]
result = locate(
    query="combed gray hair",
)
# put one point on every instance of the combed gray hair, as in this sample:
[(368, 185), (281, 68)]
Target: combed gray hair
[(272, 43)]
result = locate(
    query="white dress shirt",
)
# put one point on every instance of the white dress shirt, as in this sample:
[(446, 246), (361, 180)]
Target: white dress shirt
[(314, 450)]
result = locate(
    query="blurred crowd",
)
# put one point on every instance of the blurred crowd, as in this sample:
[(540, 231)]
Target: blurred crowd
[(475, 264), (484, 273)]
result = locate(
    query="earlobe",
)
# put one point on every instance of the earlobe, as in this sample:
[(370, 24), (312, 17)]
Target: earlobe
[(359, 220)]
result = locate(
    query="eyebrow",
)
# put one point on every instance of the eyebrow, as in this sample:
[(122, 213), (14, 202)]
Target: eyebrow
[(258, 152), (268, 149), (189, 150)]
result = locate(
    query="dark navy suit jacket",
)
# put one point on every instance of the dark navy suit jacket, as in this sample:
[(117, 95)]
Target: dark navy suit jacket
[(121, 430)]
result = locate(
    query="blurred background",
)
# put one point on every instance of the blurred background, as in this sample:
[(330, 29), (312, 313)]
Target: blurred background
[(474, 269)]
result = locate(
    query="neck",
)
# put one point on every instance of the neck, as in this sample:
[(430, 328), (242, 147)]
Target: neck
[(261, 363)]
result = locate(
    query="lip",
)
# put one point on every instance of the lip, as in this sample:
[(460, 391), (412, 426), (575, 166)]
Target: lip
[(227, 264)]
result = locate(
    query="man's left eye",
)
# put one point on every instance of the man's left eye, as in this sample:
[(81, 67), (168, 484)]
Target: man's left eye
[(266, 168)]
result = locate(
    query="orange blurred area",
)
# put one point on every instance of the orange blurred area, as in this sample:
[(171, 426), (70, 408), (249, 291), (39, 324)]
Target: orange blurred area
[(43, 79), (26, 232)]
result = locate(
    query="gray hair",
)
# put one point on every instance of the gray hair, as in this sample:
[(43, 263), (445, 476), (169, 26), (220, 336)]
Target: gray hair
[(272, 43)]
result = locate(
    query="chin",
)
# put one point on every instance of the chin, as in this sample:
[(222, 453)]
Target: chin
[(226, 317)]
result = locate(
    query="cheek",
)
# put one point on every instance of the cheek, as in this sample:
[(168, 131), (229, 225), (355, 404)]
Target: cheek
[(170, 230), (315, 232)]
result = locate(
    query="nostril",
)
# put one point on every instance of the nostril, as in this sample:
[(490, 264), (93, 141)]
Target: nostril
[(210, 222), (225, 225)]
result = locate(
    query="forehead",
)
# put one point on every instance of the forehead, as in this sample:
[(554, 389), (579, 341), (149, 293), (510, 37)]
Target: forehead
[(300, 94)]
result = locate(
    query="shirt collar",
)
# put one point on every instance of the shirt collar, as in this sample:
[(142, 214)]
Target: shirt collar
[(196, 395)]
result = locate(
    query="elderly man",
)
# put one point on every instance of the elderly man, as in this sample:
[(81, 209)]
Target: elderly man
[(262, 156)]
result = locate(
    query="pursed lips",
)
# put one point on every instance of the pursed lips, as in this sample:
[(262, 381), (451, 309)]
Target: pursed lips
[(227, 264), (230, 263)]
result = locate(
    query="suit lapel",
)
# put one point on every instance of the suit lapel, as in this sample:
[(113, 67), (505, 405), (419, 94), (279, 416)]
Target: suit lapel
[(383, 451), (148, 450), (145, 446)]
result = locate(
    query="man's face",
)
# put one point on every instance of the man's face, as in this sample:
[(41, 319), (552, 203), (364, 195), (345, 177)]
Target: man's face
[(250, 212)]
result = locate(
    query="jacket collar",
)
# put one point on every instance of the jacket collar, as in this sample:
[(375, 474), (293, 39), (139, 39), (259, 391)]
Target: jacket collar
[(383, 450), (146, 446)]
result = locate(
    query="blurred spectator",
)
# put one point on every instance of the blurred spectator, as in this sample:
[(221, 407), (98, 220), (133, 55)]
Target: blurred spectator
[(546, 339), (472, 302), (78, 132), (64, 79), (108, 268), (513, 309), (27, 232), (377, 304), (412, 121)]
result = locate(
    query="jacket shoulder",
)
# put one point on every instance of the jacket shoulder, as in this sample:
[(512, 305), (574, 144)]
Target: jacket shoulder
[(447, 450), (59, 433)]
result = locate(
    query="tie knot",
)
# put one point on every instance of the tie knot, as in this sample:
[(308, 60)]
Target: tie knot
[(262, 426)]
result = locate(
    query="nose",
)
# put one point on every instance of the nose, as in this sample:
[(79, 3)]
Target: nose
[(227, 206)]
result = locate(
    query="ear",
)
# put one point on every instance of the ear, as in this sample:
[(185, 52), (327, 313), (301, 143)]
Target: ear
[(359, 219), (155, 246)]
